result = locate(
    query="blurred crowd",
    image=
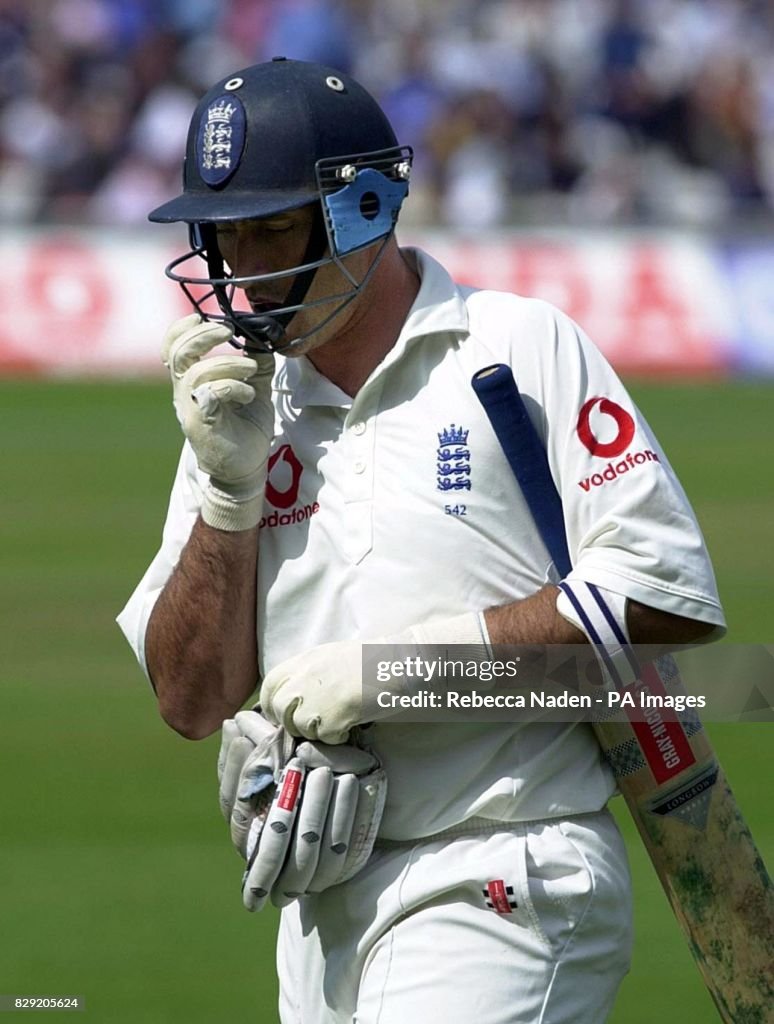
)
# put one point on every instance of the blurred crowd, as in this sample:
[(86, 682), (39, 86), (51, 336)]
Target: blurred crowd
[(520, 111)]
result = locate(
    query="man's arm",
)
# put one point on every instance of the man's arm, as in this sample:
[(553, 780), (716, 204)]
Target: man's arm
[(320, 694), (535, 620), (200, 645), (200, 642)]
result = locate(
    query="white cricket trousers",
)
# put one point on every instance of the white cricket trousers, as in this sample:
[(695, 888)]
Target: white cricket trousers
[(515, 924)]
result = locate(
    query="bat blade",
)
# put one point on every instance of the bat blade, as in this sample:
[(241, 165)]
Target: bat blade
[(701, 849)]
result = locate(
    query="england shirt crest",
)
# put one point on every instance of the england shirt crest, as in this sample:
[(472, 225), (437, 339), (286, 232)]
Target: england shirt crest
[(453, 459)]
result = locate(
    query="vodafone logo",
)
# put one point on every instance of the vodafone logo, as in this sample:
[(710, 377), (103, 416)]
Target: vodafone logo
[(607, 410), (284, 477), (601, 416), (282, 487)]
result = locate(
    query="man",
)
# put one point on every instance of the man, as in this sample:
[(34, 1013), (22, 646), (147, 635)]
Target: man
[(355, 492)]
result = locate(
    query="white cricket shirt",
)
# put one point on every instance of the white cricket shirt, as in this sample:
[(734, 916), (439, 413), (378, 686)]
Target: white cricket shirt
[(398, 506)]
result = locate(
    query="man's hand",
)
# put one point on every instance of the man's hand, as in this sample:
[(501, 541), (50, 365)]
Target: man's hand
[(319, 694), (224, 407)]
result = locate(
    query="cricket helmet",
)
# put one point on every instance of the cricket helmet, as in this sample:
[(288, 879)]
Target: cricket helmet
[(269, 139)]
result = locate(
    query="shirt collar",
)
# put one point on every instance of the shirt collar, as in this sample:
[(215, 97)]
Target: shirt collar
[(439, 307)]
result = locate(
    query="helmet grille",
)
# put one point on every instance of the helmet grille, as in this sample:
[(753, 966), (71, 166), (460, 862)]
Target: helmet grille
[(333, 173)]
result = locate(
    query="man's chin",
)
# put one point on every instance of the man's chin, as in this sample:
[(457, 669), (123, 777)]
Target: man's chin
[(298, 344)]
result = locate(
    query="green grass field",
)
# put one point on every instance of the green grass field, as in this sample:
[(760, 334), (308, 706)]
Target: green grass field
[(117, 880)]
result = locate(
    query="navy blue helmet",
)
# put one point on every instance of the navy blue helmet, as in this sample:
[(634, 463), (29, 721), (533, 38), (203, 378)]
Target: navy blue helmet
[(275, 137)]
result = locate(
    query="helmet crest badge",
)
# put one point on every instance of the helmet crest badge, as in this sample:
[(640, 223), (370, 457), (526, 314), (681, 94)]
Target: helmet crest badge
[(220, 140)]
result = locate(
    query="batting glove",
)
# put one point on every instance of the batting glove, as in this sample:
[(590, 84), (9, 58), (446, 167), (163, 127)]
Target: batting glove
[(304, 820), (224, 407), (321, 827), (320, 695)]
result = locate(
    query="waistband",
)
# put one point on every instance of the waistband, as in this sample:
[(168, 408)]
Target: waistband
[(483, 827)]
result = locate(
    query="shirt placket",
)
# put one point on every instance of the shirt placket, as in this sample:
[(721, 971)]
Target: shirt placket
[(360, 458)]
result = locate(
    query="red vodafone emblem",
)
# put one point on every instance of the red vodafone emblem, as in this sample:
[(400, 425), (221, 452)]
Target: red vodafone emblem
[(624, 423), (284, 477)]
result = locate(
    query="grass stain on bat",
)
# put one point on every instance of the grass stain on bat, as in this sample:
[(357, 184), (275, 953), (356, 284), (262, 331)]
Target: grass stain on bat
[(696, 890), (717, 950), (746, 1013)]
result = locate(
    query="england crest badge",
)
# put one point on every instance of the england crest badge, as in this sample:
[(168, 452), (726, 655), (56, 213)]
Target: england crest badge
[(453, 459), (220, 139)]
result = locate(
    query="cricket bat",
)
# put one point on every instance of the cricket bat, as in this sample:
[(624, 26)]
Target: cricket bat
[(667, 772)]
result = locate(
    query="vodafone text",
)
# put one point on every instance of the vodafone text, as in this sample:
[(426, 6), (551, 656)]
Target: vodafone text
[(299, 514), (615, 469)]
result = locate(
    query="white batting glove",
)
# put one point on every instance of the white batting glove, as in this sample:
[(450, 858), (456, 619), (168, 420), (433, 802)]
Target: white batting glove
[(224, 407), (320, 828), (303, 820), (319, 694)]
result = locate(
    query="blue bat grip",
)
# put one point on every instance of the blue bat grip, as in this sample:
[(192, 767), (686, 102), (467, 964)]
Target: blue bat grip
[(496, 390)]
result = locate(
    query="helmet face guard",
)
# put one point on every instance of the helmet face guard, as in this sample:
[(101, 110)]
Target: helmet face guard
[(273, 138), (356, 216)]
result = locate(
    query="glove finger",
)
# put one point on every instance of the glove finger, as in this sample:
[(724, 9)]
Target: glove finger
[(332, 728), (371, 797), (257, 826), (233, 391), (188, 348), (285, 716), (337, 833), (253, 804), (264, 363), (327, 732), (229, 731), (230, 368), (238, 753), (304, 723), (286, 711), (341, 759), (304, 851), (177, 330), (253, 796), (212, 397), (253, 725), (272, 847)]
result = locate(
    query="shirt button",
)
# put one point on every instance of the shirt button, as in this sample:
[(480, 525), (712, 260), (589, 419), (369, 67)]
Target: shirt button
[(360, 466), (358, 428)]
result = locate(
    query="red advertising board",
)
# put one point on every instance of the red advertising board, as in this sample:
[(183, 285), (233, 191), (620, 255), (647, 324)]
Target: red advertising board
[(99, 303)]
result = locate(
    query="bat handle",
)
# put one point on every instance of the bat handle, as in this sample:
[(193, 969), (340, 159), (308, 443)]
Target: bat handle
[(521, 444)]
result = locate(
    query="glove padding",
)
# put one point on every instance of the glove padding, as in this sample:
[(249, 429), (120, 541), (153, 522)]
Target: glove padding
[(319, 694), (224, 406), (304, 823)]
